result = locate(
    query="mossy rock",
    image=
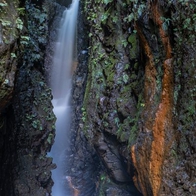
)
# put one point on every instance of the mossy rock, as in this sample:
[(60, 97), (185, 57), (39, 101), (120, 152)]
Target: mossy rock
[(132, 39)]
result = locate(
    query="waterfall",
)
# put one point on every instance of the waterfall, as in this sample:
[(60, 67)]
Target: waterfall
[(61, 88)]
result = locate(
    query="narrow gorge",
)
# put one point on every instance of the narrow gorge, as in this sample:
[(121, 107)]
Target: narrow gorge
[(127, 114)]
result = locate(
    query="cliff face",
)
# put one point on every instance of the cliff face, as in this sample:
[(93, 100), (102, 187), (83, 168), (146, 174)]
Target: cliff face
[(139, 106), (158, 154), (9, 33), (27, 120), (134, 98)]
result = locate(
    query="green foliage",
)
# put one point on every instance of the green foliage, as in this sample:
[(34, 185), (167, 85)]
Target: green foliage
[(92, 16), (124, 43), (129, 18), (24, 40), (50, 138), (135, 121), (90, 34), (37, 33), (137, 9), (104, 183), (5, 22), (104, 17), (125, 78), (126, 67), (132, 135), (184, 22), (37, 125), (109, 69), (83, 114), (21, 11), (13, 55), (103, 177), (132, 39), (11, 22), (166, 23), (3, 4), (19, 23), (107, 1), (115, 19)]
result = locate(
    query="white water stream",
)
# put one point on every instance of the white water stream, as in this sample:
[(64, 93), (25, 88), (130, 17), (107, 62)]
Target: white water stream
[(61, 88)]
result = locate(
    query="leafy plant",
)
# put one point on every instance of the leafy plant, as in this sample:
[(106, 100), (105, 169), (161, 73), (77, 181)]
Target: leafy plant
[(19, 24), (107, 1), (115, 19), (50, 138), (25, 40), (21, 11), (102, 177), (83, 114), (5, 22), (3, 4), (129, 18), (104, 17), (124, 43), (125, 78), (13, 55), (166, 23)]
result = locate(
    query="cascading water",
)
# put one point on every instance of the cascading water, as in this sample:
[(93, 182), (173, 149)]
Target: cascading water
[(61, 89)]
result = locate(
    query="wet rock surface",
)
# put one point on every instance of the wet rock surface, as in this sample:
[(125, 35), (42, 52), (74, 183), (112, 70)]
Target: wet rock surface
[(35, 134), (9, 34), (83, 162), (28, 123), (8, 65), (134, 96), (165, 130), (105, 113), (133, 121)]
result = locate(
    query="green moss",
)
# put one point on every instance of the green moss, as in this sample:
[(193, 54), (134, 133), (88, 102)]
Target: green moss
[(132, 39), (50, 138), (110, 70), (104, 182), (9, 19)]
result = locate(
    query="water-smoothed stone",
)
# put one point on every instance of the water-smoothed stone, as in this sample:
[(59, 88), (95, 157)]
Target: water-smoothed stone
[(108, 150)]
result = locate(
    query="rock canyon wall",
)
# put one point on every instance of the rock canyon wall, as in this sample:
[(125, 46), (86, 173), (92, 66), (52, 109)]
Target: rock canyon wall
[(133, 98)]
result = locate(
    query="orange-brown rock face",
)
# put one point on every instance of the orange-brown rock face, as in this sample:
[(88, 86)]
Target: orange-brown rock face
[(149, 152)]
